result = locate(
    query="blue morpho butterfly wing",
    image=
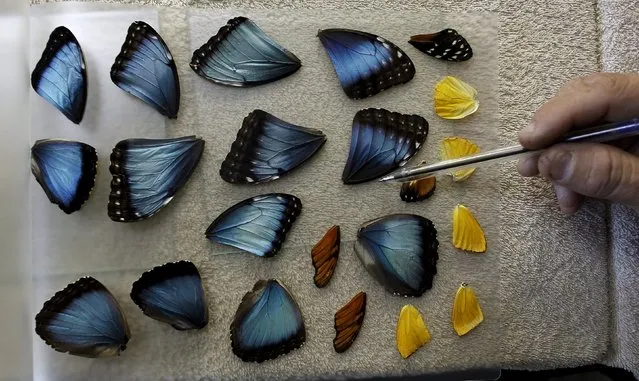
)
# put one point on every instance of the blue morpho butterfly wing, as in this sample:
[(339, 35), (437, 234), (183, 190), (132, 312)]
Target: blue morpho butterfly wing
[(382, 141), (145, 69), (365, 64), (60, 75), (173, 293), (65, 170), (84, 320), (400, 252), (268, 323), (242, 55), (147, 173), (257, 225), (267, 148)]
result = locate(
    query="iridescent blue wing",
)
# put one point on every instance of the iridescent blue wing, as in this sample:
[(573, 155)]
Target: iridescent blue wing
[(60, 75), (145, 69), (84, 320), (267, 148), (65, 170), (268, 323), (382, 141), (173, 293), (242, 55), (257, 225), (400, 252), (147, 173), (365, 64)]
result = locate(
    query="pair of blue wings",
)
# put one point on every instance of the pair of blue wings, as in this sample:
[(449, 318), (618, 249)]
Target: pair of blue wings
[(60, 76), (85, 320), (242, 55), (173, 293), (268, 323), (257, 225), (145, 68), (147, 173), (365, 64), (382, 141), (267, 147), (400, 252), (65, 170)]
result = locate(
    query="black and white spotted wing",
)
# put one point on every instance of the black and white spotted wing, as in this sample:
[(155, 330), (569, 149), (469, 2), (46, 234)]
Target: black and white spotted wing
[(446, 44)]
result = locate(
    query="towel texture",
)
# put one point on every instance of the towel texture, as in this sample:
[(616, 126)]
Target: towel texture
[(548, 290), (620, 53)]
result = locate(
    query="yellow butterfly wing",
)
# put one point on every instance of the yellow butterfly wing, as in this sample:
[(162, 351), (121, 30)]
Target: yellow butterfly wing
[(468, 235), (411, 332), (454, 148), (467, 313), (455, 99)]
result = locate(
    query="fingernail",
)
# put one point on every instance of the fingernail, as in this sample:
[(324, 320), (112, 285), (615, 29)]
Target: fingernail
[(528, 130), (528, 167), (557, 165)]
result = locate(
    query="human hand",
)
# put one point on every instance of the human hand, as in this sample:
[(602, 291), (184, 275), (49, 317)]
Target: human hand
[(578, 170)]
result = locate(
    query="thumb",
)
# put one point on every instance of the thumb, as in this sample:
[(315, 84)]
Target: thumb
[(593, 170)]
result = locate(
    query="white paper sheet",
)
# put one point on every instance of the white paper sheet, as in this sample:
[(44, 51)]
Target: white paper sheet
[(86, 241)]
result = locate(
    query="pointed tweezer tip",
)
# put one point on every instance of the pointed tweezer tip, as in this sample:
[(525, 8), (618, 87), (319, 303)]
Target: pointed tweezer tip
[(387, 178)]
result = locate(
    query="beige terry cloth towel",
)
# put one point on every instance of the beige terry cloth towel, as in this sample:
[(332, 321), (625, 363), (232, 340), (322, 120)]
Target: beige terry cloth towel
[(553, 269), (620, 53)]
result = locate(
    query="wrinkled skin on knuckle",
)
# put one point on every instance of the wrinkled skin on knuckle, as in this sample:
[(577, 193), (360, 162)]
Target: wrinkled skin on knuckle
[(603, 170), (631, 178)]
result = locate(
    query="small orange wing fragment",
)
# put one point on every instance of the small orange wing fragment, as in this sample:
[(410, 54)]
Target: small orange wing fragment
[(324, 256), (467, 313), (467, 233), (348, 322), (418, 190)]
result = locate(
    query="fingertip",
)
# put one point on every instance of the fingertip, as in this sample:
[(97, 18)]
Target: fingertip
[(528, 167), (526, 135), (569, 201), (556, 163)]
